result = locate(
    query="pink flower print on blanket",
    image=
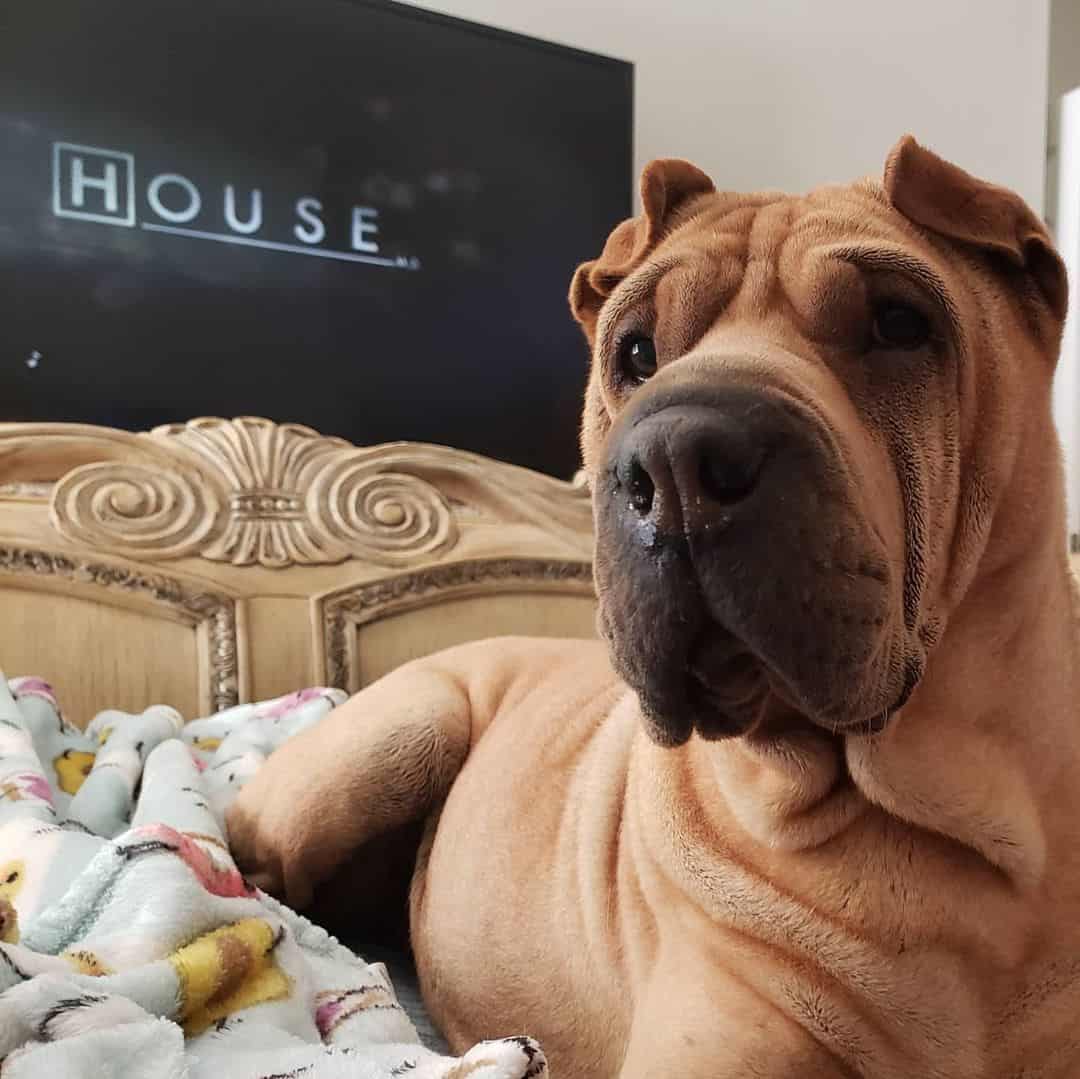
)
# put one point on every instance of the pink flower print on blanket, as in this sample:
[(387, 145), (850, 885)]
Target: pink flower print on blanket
[(334, 1007), (34, 687), (219, 880), (23, 786), (284, 705)]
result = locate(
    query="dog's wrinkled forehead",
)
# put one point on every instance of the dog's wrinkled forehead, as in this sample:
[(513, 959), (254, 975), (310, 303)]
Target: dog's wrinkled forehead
[(923, 204), (762, 251)]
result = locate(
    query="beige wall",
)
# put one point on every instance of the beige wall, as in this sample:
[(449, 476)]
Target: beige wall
[(789, 93), (1064, 47), (1063, 75)]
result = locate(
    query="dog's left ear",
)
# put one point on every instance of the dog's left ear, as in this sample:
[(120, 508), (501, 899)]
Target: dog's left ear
[(947, 200), (666, 185)]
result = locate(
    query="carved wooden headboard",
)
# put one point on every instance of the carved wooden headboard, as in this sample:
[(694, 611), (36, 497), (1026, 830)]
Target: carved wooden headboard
[(221, 561)]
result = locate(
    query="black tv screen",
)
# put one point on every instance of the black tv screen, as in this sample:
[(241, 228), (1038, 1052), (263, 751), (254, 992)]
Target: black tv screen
[(354, 215)]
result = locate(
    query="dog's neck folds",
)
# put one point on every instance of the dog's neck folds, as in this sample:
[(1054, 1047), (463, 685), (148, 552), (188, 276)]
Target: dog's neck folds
[(981, 753)]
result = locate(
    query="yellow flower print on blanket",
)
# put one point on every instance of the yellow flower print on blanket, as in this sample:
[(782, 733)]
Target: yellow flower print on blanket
[(228, 970), (9, 922), (12, 876), (72, 767)]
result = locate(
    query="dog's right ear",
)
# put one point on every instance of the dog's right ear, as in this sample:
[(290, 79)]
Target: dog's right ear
[(666, 185), (944, 198)]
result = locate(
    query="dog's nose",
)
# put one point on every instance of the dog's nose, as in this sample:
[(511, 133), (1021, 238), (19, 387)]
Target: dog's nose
[(688, 466)]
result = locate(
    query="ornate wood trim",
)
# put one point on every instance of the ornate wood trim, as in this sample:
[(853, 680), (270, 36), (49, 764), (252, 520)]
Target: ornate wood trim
[(342, 611), (213, 611), (252, 492)]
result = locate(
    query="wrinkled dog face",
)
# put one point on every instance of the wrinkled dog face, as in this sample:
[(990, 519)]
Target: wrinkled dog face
[(776, 432)]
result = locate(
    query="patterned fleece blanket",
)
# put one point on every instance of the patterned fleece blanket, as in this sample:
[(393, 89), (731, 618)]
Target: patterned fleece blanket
[(130, 945)]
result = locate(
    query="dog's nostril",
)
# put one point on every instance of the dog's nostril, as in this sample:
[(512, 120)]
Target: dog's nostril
[(729, 477), (641, 488)]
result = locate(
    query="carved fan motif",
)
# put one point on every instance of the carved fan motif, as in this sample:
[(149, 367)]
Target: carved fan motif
[(253, 492)]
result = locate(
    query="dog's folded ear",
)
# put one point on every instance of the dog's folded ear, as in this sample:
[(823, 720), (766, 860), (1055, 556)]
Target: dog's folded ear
[(947, 200), (666, 186)]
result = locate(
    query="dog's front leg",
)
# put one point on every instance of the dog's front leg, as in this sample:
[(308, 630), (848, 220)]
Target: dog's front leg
[(381, 760)]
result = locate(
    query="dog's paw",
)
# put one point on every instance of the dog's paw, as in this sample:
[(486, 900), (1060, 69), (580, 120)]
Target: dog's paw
[(267, 840)]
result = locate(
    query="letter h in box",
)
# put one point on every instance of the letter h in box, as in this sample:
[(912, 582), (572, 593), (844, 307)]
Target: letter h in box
[(92, 184)]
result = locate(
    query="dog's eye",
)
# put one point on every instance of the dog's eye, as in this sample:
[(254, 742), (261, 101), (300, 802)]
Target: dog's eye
[(637, 358), (898, 325)]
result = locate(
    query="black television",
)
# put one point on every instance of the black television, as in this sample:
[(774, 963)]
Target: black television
[(353, 214)]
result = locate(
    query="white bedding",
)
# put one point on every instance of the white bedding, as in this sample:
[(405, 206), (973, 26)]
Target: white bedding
[(131, 947)]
